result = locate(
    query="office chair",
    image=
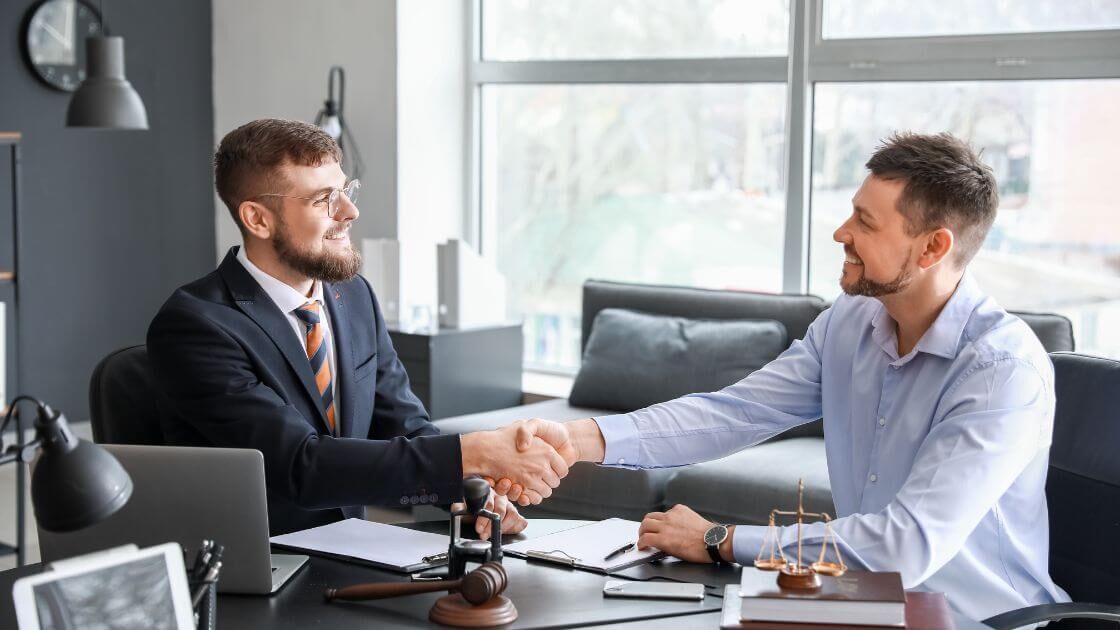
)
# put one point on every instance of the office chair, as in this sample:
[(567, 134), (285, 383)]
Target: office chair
[(122, 399), (1083, 496)]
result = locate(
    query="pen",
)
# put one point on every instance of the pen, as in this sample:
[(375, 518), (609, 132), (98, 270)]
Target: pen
[(618, 552)]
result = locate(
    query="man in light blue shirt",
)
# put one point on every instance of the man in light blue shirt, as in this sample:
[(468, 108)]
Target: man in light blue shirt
[(938, 405)]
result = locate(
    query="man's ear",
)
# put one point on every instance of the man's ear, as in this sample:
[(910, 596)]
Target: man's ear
[(257, 218), (939, 244)]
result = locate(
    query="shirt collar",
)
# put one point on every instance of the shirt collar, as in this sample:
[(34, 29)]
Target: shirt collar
[(944, 336), (283, 295)]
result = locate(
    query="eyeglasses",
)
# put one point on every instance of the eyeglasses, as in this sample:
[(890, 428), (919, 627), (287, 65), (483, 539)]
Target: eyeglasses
[(330, 200)]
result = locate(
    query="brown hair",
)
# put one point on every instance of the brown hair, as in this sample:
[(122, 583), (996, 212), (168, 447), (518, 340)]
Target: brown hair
[(946, 186), (248, 158)]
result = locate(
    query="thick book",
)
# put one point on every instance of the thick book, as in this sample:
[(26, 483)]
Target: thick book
[(924, 611), (857, 598)]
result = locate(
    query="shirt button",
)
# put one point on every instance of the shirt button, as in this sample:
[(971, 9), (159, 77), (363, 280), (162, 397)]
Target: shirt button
[(874, 477), (882, 422), (622, 460)]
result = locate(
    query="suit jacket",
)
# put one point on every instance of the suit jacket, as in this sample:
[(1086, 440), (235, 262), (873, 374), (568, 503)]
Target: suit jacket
[(234, 374)]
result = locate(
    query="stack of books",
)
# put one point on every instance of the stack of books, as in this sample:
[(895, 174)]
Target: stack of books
[(857, 599)]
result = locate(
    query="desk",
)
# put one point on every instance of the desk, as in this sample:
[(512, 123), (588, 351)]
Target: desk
[(546, 597)]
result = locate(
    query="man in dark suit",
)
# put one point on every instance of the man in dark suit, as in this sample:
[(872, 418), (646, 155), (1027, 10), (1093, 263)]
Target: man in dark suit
[(283, 349)]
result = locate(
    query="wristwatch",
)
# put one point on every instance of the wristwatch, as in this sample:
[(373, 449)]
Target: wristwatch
[(713, 538)]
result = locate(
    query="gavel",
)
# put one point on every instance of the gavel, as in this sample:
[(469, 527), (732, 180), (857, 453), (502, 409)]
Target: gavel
[(477, 587)]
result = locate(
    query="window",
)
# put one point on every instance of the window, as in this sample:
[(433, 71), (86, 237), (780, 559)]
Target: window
[(666, 184), (890, 18), (648, 140), (517, 30)]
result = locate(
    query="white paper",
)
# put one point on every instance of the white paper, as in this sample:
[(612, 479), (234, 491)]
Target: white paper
[(365, 540), (590, 544)]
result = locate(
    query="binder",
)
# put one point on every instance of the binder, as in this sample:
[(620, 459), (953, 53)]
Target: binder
[(586, 546)]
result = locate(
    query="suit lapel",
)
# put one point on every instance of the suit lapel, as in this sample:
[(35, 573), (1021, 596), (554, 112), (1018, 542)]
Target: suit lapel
[(254, 302), (344, 356)]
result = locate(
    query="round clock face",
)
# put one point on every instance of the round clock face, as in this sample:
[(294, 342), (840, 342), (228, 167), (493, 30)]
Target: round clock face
[(56, 41)]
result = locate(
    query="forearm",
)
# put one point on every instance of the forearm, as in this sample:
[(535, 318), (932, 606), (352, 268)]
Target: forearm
[(588, 440)]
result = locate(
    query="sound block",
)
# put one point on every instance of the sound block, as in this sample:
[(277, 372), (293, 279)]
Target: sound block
[(453, 610)]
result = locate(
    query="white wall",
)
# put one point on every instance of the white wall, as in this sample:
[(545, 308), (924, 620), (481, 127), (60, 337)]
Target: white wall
[(271, 59), (432, 103)]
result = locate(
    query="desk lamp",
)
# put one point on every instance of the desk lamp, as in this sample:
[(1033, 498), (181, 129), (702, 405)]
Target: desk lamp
[(75, 483)]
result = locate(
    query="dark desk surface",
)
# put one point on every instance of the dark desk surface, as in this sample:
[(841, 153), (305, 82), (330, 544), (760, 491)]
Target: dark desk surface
[(546, 596)]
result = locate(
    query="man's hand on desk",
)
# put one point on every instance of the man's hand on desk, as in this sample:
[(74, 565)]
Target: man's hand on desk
[(680, 533), (512, 521), (537, 468)]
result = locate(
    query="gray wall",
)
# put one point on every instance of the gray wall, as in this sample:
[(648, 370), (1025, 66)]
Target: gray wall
[(271, 59), (111, 222)]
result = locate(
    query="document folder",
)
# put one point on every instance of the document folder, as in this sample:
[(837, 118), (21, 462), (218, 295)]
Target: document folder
[(376, 544), (587, 546)]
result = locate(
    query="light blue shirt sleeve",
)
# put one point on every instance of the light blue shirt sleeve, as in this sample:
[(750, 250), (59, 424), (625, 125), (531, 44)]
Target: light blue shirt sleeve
[(999, 418), (700, 427)]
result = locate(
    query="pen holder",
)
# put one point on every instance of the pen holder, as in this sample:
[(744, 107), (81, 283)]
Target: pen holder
[(205, 610)]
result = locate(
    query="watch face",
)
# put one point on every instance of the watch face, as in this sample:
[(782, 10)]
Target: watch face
[(715, 535), (55, 38)]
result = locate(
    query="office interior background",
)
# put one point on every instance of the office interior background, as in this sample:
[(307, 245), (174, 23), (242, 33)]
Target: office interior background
[(709, 143)]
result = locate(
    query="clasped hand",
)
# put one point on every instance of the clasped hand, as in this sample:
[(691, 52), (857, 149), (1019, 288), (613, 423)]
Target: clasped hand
[(523, 456)]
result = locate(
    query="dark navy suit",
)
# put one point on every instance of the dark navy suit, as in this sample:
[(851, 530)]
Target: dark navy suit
[(234, 374)]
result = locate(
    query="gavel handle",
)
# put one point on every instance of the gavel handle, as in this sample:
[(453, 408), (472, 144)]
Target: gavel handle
[(383, 590)]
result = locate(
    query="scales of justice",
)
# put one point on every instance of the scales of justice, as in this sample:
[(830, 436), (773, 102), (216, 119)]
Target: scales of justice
[(797, 575)]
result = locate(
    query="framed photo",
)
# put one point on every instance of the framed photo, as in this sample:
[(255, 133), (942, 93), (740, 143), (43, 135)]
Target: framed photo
[(145, 588)]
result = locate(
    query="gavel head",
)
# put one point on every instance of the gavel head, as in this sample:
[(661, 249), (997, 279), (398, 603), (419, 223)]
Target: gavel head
[(484, 583), (475, 493)]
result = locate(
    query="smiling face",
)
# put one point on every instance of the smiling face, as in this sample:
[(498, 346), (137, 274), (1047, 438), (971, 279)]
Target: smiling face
[(305, 239), (879, 255)]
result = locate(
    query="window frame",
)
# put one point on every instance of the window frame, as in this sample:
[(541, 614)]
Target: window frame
[(810, 59)]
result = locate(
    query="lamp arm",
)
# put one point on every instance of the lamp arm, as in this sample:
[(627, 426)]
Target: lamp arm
[(17, 453)]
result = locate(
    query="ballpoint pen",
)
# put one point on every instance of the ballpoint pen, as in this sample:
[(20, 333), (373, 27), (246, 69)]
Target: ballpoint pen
[(618, 552)]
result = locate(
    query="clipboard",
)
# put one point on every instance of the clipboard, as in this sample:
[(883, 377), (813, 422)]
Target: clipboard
[(585, 547)]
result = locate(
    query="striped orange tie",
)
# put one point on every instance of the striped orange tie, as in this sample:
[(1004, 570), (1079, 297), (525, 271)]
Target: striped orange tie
[(317, 354)]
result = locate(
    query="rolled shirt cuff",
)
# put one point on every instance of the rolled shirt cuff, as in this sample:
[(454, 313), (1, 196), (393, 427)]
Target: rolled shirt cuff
[(622, 440)]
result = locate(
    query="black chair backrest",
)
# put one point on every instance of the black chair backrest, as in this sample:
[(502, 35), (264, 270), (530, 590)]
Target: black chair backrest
[(1053, 330), (123, 399), (1083, 485)]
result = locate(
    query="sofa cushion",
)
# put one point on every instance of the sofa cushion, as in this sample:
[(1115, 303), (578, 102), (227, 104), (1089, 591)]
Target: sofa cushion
[(634, 360), (589, 491), (742, 488)]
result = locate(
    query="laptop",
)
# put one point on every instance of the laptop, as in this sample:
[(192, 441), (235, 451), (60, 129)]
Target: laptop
[(187, 494)]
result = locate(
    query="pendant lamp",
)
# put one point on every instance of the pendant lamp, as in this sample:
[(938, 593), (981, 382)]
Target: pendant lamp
[(105, 99)]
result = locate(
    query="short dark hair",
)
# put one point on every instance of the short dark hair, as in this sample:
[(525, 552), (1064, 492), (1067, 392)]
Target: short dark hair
[(248, 158), (946, 186)]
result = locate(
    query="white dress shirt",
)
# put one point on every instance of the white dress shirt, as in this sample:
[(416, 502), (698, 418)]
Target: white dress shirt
[(288, 300), (937, 459)]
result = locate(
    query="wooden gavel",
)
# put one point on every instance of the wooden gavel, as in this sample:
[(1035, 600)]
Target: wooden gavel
[(477, 587)]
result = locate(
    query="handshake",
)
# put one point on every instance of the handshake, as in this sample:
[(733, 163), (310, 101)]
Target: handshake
[(526, 460)]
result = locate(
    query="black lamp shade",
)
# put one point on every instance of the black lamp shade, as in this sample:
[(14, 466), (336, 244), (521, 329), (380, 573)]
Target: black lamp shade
[(105, 99), (77, 487)]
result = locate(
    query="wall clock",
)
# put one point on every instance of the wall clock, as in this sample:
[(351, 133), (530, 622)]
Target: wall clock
[(54, 39)]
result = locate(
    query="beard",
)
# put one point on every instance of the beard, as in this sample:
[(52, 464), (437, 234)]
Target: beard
[(326, 265), (872, 288)]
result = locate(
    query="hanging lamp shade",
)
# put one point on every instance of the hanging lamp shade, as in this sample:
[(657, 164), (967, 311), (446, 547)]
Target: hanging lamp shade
[(106, 99)]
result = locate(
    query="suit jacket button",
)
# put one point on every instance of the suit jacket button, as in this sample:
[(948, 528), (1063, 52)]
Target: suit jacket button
[(404, 500), (423, 498), (415, 500), (433, 497)]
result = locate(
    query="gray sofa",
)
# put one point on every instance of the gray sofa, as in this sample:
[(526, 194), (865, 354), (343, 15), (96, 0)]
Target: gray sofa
[(740, 488)]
